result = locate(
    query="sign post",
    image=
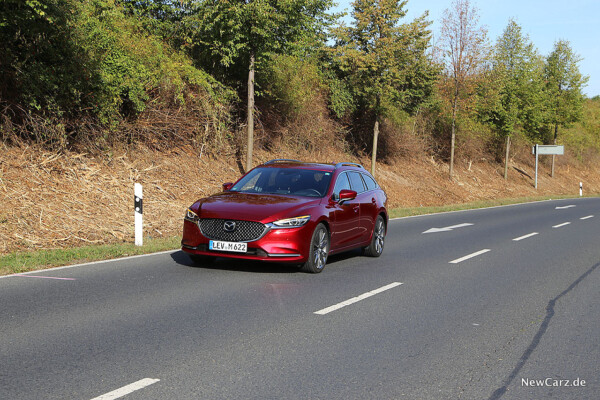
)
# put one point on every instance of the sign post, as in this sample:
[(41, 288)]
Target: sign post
[(545, 149), (536, 152)]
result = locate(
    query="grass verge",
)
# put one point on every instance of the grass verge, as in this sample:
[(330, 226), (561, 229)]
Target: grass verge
[(35, 260), (411, 211)]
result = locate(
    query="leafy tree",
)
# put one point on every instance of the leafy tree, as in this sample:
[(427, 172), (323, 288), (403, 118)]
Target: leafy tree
[(564, 83), (41, 67), (231, 33), (464, 49), (513, 95), (67, 59), (387, 62)]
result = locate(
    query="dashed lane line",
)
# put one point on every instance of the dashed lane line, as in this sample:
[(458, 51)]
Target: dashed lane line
[(477, 253), (588, 217), (525, 236), (125, 390), (561, 225), (357, 298)]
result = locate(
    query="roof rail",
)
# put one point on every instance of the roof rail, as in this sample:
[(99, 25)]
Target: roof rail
[(348, 163), (281, 160)]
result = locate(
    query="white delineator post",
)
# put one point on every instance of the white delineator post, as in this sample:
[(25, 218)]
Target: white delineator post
[(139, 219), (580, 189)]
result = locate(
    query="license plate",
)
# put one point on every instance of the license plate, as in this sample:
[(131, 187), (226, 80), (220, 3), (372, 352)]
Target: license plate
[(228, 246)]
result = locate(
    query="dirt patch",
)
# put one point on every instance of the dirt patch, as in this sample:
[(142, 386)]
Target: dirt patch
[(53, 200)]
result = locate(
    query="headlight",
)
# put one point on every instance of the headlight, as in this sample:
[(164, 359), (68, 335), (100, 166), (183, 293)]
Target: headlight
[(291, 222), (191, 216)]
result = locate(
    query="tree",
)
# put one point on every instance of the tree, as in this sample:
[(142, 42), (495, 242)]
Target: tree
[(513, 97), (464, 48), (230, 33), (41, 67), (564, 83), (386, 61)]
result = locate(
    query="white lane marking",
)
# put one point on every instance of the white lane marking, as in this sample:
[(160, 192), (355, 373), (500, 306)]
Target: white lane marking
[(563, 207), (357, 298), (560, 225), (471, 209), (588, 217), (45, 277), (477, 253), (91, 263), (125, 390), (525, 236), (446, 229)]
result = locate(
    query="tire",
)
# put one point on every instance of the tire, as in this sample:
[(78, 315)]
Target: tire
[(377, 240), (319, 250), (200, 261)]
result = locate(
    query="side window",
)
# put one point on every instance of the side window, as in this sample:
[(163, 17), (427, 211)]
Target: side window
[(356, 182), (371, 184), (250, 185), (340, 184)]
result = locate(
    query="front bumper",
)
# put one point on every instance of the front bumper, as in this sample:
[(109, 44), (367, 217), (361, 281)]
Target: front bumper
[(279, 245)]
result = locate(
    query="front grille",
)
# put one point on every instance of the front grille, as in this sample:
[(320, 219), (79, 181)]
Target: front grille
[(245, 231)]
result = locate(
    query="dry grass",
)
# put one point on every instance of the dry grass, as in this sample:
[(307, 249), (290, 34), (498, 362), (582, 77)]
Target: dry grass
[(65, 199)]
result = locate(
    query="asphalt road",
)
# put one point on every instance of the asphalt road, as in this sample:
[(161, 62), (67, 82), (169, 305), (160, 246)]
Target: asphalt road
[(512, 322)]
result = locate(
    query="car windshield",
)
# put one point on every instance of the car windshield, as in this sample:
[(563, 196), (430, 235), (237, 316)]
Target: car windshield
[(289, 181)]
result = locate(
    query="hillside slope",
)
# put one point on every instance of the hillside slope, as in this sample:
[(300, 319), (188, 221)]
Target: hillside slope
[(52, 200)]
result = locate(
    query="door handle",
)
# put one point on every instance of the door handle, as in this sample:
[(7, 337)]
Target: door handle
[(356, 208), (373, 200)]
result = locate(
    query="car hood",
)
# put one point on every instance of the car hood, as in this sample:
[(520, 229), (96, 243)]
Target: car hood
[(255, 207)]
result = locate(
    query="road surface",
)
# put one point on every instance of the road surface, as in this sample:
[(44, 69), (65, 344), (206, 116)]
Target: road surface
[(500, 303)]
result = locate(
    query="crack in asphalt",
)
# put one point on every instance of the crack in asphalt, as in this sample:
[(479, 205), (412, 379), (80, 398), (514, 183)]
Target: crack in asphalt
[(498, 393)]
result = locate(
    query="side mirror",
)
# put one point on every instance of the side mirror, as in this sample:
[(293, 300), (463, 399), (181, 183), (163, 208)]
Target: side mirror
[(227, 186), (346, 194)]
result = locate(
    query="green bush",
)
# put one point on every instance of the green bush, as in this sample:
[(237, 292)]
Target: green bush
[(71, 59), (584, 137), (293, 83)]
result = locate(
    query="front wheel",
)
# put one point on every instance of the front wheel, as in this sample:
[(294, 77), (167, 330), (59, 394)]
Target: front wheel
[(375, 248), (319, 249)]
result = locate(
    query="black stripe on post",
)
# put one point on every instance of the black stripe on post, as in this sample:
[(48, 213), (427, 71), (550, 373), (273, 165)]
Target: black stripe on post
[(139, 204)]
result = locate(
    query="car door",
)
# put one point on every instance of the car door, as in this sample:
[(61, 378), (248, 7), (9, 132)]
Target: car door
[(368, 206), (364, 201), (345, 219)]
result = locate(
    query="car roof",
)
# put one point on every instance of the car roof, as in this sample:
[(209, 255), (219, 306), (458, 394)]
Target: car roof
[(285, 163)]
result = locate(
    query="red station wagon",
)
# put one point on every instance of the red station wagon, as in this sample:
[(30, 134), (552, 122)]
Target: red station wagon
[(289, 211)]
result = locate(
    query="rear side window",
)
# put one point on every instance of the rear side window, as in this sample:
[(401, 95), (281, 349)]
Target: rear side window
[(356, 182), (340, 184), (371, 184)]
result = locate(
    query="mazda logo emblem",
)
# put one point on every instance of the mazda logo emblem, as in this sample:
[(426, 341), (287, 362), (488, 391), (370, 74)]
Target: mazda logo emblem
[(229, 226)]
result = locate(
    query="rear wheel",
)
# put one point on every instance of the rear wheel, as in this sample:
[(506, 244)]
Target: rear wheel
[(375, 248), (201, 260), (319, 249)]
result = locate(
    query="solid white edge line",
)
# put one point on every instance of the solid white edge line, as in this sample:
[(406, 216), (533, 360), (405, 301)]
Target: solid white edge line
[(90, 263), (525, 236), (357, 298), (482, 208), (125, 390), (477, 253), (561, 225), (588, 217)]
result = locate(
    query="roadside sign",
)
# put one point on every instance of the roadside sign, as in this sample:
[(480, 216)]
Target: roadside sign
[(548, 149), (545, 149)]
